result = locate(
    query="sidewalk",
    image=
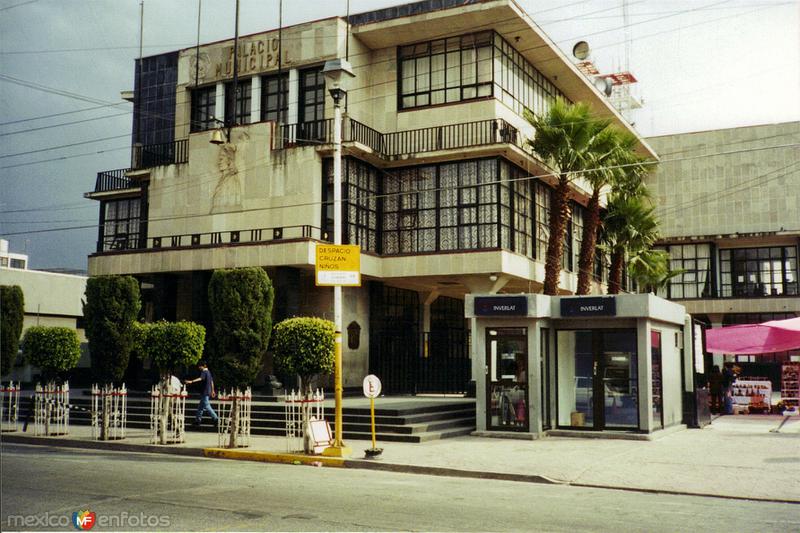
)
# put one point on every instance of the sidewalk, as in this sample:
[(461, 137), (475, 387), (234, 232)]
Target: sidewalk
[(735, 457)]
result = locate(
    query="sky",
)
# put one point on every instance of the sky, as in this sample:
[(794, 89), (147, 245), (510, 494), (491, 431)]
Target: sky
[(700, 65)]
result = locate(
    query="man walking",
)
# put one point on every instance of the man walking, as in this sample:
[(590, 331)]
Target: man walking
[(205, 395)]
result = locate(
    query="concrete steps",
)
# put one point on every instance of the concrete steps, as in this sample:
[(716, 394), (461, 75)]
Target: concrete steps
[(412, 420)]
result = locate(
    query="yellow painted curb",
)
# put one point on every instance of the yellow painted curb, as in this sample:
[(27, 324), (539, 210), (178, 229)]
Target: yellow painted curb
[(272, 457)]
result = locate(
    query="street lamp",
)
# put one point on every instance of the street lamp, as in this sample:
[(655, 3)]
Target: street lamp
[(337, 73)]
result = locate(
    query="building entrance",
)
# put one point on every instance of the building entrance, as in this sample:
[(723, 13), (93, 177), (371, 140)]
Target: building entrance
[(507, 390), (598, 379)]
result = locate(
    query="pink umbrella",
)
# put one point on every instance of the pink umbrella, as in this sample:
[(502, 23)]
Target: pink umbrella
[(772, 336)]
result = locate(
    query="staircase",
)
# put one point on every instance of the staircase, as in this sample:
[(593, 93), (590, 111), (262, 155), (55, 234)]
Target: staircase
[(412, 419)]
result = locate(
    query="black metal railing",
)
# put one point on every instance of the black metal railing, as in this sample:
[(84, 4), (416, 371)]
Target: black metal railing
[(389, 145), (215, 238), (153, 155), (114, 180)]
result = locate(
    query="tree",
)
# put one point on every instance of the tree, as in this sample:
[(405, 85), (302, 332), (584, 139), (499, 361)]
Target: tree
[(168, 345), (631, 228), (54, 350), (304, 346), (12, 313), (610, 162), (111, 307), (650, 269), (241, 314), (566, 138)]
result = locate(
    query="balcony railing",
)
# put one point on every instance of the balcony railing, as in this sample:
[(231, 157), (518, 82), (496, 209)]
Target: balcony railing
[(114, 180), (153, 155), (215, 238), (390, 145)]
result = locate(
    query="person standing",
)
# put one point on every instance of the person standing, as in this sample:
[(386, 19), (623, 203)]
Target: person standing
[(715, 390), (728, 378), (206, 394)]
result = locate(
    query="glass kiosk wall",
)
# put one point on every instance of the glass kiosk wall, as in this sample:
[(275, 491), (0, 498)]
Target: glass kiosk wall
[(568, 364)]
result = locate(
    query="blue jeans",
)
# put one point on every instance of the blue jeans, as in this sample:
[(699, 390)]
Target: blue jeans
[(205, 405)]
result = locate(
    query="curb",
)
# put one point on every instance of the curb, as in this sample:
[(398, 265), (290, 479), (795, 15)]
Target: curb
[(362, 464), (272, 457)]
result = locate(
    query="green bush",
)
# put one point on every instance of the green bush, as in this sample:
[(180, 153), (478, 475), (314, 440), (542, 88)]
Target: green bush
[(12, 313), (111, 307), (241, 314), (53, 349), (169, 345), (304, 346)]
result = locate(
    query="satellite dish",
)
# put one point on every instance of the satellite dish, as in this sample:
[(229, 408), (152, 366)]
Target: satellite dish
[(604, 85), (581, 50)]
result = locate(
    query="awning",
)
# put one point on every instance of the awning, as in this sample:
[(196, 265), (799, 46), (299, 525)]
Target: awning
[(768, 337)]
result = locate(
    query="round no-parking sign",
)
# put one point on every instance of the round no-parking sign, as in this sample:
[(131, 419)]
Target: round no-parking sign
[(372, 386)]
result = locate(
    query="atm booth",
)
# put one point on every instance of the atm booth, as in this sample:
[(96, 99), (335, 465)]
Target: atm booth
[(616, 366)]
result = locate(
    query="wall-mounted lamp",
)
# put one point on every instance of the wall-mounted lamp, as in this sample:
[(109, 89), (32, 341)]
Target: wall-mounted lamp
[(492, 277), (217, 133)]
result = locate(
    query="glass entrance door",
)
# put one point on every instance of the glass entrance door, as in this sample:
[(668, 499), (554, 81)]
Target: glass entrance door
[(597, 379), (507, 379)]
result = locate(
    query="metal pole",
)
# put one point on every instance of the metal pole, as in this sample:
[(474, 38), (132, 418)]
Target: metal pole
[(372, 419), (337, 290)]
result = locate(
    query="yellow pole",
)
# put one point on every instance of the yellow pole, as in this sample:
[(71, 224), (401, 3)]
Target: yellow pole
[(372, 417)]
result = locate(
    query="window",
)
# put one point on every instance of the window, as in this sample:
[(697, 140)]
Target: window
[(696, 280), (312, 105), (468, 67), (203, 108), (542, 198), (242, 105), (359, 204), (275, 97), (578, 214), (155, 86), (121, 220), (523, 216), (759, 271), (18, 263), (446, 70), (3, 261)]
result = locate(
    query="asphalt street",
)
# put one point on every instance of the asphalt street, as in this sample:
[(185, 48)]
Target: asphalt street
[(41, 487)]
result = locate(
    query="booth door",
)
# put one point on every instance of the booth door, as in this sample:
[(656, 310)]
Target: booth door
[(507, 379)]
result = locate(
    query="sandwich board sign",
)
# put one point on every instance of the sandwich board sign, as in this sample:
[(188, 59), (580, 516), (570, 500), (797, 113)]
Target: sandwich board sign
[(338, 265)]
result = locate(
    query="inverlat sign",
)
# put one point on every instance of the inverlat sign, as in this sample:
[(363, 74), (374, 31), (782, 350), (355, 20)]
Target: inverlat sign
[(501, 306), (589, 306)]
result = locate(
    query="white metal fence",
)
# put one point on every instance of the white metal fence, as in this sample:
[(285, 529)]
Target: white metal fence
[(236, 413), (51, 409), (9, 406), (299, 412), (113, 401), (167, 414)]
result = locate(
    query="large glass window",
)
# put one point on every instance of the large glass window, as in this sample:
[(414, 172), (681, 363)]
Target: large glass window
[(523, 217), (312, 105), (121, 222), (543, 196), (241, 114), (758, 271), (597, 379), (155, 86), (694, 262), (468, 67), (275, 97), (203, 108)]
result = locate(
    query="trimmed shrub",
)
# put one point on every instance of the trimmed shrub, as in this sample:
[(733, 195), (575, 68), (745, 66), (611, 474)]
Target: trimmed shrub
[(241, 313), (111, 307), (304, 346), (53, 349), (12, 313), (169, 345)]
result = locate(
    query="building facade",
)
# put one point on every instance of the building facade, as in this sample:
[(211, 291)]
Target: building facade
[(729, 205), (51, 299), (438, 183)]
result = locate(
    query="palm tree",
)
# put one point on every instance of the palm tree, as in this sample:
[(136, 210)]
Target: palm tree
[(611, 160), (650, 269), (630, 228), (566, 138)]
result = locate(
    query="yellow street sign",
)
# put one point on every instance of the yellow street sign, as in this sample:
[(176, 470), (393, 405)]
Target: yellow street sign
[(338, 265)]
